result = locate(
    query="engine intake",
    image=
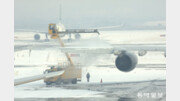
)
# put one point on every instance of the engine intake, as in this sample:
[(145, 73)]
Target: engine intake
[(126, 61), (36, 37)]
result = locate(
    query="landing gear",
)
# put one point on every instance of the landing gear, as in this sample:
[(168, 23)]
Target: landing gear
[(46, 37), (77, 36), (70, 39)]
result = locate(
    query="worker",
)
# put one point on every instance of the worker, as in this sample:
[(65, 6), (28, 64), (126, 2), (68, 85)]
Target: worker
[(88, 76)]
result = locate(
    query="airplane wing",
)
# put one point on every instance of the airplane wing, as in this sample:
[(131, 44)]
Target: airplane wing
[(114, 49), (36, 78), (97, 50), (80, 31)]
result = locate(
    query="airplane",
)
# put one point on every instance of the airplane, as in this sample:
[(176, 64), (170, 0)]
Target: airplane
[(59, 28)]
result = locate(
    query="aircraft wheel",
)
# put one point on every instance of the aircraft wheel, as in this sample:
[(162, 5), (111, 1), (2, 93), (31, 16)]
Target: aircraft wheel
[(59, 81), (74, 81)]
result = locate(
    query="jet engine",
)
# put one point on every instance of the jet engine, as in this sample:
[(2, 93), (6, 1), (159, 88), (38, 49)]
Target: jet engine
[(36, 37), (77, 36), (126, 61)]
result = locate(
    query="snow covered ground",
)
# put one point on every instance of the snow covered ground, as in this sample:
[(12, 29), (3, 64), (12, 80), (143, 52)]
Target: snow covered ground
[(41, 91), (34, 62)]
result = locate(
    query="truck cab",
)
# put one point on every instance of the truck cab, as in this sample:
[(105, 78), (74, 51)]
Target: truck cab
[(71, 75), (52, 30)]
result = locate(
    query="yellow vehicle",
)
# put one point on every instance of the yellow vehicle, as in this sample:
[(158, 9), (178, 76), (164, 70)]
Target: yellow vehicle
[(71, 75), (52, 30)]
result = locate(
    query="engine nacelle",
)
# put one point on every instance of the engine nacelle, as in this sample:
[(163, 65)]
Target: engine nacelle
[(36, 37), (142, 53), (126, 61), (77, 36)]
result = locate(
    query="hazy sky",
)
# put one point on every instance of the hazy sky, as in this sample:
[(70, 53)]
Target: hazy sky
[(87, 13)]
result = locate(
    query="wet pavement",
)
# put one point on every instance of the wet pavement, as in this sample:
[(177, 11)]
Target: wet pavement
[(154, 90)]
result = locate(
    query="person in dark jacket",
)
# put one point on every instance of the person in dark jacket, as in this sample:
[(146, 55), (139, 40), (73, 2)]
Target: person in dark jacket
[(88, 76)]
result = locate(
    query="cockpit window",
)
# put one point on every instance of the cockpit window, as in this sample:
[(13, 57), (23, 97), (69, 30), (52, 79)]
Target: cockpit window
[(51, 27)]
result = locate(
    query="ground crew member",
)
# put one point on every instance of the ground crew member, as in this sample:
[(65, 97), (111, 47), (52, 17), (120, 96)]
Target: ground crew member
[(88, 76)]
